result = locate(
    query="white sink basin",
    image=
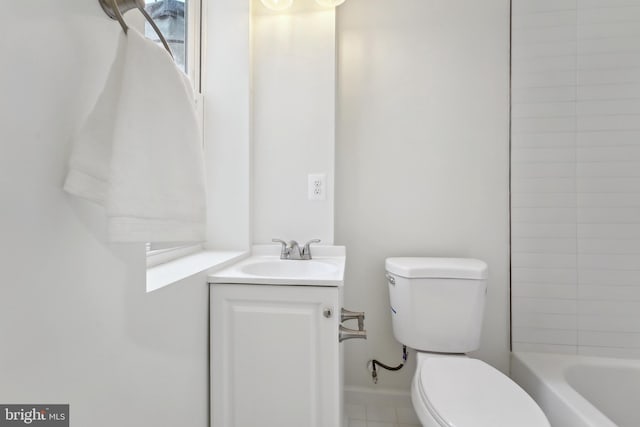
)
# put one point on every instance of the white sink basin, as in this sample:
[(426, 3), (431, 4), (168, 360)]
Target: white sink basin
[(291, 268), (264, 266)]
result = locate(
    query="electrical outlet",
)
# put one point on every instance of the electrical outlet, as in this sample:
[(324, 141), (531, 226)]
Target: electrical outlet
[(317, 186)]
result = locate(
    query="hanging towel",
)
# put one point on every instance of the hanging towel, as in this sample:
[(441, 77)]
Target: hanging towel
[(139, 153), (90, 162)]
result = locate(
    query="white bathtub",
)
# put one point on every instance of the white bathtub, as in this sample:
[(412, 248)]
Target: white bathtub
[(581, 391)]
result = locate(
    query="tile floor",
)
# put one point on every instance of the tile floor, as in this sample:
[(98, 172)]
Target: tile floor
[(380, 416)]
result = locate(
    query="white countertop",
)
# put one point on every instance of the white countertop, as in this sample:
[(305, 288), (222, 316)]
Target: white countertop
[(264, 267)]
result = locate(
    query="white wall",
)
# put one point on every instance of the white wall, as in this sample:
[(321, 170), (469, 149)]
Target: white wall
[(227, 122), (575, 177), (293, 121), (421, 157), (76, 325)]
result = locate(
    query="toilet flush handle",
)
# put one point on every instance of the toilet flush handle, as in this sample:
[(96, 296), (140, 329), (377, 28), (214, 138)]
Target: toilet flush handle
[(390, 278)]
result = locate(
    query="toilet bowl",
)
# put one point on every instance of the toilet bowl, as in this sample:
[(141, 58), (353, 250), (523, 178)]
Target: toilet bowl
[(457, 391), (437, 305)]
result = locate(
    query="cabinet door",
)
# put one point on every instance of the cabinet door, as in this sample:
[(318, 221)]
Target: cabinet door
[(275, 358)]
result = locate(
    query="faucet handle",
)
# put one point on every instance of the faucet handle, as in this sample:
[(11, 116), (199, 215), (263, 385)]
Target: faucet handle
[(306, 251), (283, 251)]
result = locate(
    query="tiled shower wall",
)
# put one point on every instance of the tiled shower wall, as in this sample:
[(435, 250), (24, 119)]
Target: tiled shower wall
[(576, 176)]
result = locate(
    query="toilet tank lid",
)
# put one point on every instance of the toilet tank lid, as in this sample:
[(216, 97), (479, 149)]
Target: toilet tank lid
[(431, 267)]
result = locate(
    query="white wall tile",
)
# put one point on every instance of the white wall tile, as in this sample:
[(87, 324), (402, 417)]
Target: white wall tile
[(613, 185), (544, 140), (544, 109), (545, 321), (543, 124), (544, 50), (544, 79), (548, 19), (609, 246), (608, 323), (603, 91), (575, 177), (556, 94), (545, 215), (607, 169), (608, 139), (543, 155), (555, 245), (610, 262), (601, 61), (613, 15), (546, 336), (544, 275), (609, 215), (544, 290), (606, 123), (609, 339), (542, 170), (594, 276), (608, 44), (618, 231), (607, 30), (545, 348), (544, 64), (544, 185), (548, 260), (545, 305), (613, 200), (560, 200), (599, 4), (543, 230), (608, 76), (629, 353), (527, 7), (608, 154), (607, 308), (521, 37)]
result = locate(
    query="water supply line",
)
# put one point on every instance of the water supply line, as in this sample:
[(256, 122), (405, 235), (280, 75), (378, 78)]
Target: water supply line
[(373, 364)]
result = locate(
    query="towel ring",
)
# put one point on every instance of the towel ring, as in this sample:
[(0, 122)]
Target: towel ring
[(116, 8)]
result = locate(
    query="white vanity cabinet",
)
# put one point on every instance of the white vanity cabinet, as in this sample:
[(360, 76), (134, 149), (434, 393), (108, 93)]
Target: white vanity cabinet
[(275, 356)]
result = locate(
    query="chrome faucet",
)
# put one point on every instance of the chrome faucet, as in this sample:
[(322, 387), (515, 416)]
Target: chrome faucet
[(291, 249)]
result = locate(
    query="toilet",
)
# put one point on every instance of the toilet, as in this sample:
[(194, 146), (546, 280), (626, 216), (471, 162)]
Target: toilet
[(437, 306)]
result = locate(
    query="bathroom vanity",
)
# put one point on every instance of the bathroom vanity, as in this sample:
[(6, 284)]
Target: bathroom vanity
[(276, 359)]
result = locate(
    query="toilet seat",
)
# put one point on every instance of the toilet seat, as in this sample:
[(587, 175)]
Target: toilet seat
[(463, 392)]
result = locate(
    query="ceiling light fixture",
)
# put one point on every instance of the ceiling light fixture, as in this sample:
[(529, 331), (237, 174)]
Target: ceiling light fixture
[(330, 3), (277, 4)]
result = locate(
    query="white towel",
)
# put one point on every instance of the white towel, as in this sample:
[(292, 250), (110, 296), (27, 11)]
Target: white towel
[(139, 153)]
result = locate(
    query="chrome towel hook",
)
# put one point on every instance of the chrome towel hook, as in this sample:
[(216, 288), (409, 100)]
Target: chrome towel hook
[(116, 8)]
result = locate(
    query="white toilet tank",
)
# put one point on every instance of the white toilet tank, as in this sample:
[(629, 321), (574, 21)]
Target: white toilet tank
[(437, 304)]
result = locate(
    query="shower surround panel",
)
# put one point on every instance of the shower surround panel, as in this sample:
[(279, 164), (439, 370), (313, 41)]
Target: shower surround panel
[(576, 176)]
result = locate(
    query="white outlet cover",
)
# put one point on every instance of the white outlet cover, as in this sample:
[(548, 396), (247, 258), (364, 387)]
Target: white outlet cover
[(317, 186)]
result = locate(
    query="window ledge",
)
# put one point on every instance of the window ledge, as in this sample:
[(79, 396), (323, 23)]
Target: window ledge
[(171, 272)]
